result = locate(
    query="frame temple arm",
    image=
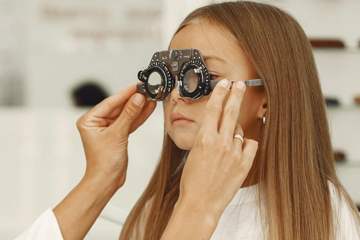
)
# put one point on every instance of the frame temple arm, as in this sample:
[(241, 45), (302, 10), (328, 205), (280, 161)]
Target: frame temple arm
[(248, 83)]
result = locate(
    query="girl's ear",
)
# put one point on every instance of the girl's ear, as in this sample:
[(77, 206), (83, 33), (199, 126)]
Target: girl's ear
[(263, 108)]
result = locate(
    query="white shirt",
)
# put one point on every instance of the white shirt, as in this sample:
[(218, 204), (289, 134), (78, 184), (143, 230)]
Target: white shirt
[(240, 220)]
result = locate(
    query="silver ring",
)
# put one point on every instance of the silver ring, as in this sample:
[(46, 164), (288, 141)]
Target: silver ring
[(239, 137)]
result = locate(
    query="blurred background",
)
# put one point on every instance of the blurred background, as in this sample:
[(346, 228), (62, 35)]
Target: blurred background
[(55, 53)]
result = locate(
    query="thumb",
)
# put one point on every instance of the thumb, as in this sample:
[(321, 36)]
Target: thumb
[(130, 113)]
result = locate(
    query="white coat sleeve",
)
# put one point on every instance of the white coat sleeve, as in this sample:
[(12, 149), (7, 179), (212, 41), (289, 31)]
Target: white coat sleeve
[(44, 228)]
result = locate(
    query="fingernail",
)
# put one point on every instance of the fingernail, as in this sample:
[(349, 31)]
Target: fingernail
[(224, 83), (240, 85), (138, 100)]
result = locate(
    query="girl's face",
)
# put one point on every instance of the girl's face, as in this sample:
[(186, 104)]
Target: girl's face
[(224, 59)]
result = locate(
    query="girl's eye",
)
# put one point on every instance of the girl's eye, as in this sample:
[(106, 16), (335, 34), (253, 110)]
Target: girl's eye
[(213, 76)]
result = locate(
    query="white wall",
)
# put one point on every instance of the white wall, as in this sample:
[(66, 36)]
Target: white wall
[(68, 41)]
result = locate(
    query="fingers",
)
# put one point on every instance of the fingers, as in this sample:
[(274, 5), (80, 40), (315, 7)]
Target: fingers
[(116, 113), (237, 142), (129, 114), (213, 108), (232, 110), (146, 112), (249, 150), (110, 104)]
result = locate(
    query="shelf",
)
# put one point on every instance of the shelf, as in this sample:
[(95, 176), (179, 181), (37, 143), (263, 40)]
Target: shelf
[(344, 107), (349, 164), (351, 50)]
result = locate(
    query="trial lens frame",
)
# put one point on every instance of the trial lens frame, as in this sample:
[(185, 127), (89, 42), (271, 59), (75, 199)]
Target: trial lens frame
[(176, 63), (248, 83)]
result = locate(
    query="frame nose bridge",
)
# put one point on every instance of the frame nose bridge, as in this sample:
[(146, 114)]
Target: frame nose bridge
[(175, 77), (177, 82)]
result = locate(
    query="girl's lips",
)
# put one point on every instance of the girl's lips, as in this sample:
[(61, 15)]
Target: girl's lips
[(181, 122), (179, 118)]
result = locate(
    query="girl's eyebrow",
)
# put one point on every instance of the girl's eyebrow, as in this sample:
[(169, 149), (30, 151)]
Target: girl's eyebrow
[(206, 58)]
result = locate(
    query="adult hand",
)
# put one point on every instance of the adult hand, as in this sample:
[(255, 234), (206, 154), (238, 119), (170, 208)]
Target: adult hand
[(105, 130), (218, 163)]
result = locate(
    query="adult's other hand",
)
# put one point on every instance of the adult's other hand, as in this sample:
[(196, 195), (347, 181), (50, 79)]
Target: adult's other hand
[(218, 163)]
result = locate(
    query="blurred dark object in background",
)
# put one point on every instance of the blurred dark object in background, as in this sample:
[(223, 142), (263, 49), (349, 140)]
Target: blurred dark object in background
[(358, 206), (326, 43), (88, 94), (332, 102), (357, 99), (339, 156)]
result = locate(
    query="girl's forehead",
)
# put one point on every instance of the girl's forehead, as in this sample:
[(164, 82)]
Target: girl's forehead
[(212, 41), (207, 37)]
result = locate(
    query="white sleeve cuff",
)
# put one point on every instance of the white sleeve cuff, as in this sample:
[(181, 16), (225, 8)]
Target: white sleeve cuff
[(44, 228)]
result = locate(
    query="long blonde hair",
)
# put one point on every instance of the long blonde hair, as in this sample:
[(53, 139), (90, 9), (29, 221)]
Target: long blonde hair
[(295, 162)]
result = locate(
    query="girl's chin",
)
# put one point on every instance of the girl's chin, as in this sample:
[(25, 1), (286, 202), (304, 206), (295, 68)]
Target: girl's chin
[(183, 144), (185, 148)]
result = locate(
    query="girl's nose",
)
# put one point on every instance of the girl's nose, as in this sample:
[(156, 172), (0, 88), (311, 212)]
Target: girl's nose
[(175, 97)]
